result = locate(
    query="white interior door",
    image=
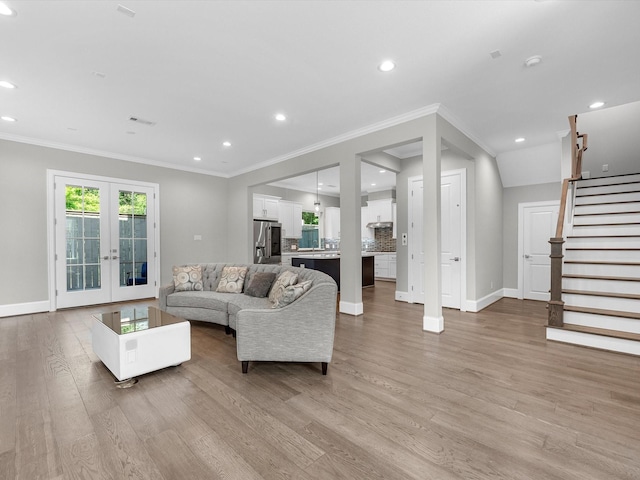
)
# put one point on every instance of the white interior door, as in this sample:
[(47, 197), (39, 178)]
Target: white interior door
[(538, 226), (450, 258), (105, 241)]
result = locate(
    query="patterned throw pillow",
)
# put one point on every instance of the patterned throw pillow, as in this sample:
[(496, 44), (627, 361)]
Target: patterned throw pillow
[(291, 294), (284, 280), (232, 279), (260, 284), (187, 278)]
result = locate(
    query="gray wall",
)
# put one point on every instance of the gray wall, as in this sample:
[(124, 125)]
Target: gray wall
[(189, 204), (511, 198)]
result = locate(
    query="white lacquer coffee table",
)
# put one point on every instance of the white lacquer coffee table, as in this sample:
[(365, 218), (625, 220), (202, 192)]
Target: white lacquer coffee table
[(138, 340)]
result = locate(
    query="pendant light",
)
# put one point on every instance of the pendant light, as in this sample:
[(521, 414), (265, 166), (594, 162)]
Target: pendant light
[(316, 204)]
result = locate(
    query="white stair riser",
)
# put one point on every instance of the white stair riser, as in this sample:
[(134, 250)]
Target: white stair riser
[(602, 270), (608, 208), (605, 219), (606, 230), (594, 341), (609, 180), (611, 242), (594, 190), (597, 285), (613, 198), (603, 255), (602, 321), (605, 303)]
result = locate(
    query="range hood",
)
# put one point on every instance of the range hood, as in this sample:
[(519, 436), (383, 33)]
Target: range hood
[(380, 225)]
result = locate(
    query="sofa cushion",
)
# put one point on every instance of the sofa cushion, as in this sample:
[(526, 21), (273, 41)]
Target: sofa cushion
[(187, 278), (291, 294), (242, 302), (210, 300), (232, 279), (260, 284), (284, 280)]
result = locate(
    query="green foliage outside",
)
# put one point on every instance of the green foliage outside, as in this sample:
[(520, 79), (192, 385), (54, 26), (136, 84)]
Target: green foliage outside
[(309, 218), (79, 199)]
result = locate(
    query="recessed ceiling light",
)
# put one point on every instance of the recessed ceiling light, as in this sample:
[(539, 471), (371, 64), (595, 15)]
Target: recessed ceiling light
[(596, 105), (197, 159), (382, 171), (373, 184), (520, 140), (6, 84), (533, 61), (281, 117), (386, 66), (226, 144), (6, 11), (8, 119), (320, 183)]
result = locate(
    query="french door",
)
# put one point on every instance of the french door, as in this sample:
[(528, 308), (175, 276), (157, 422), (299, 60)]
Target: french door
[(105, 241)]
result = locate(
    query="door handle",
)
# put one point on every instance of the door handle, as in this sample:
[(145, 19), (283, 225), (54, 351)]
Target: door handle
[(527, 256), (106, 257), (114, 257), (455, 259)]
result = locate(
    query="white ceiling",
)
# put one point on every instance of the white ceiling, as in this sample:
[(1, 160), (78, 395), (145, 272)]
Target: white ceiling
[(210, 71)]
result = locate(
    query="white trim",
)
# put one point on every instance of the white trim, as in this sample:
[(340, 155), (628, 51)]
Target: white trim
[(484, 302), (24, 308), (510, 292), (51, 254), (521, 207), (445, 113), (433, 324), (402, 296), (351, 308), (594, 341)]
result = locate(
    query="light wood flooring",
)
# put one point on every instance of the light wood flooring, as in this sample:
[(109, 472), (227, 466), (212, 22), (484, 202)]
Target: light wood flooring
[(487, 399)]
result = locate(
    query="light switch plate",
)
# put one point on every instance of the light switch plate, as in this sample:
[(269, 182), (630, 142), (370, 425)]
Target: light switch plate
[(404, 239)]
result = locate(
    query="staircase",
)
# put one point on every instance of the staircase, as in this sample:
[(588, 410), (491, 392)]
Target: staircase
[(601, 267)]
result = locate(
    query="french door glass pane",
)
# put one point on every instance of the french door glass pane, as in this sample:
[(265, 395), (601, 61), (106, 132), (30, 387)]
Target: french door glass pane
[(133, 238), (82, 237)]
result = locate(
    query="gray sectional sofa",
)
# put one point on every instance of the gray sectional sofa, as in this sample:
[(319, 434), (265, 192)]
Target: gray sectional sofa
[(302, 331)]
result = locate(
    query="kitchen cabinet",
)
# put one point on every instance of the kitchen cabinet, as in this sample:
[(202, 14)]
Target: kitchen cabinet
[(332, 223), (265, 207), (385, 266), (367, 233), (290, 216), (380, 210)]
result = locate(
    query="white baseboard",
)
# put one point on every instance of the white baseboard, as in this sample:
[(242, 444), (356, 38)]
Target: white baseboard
[(433, 324), (594, 341), (402, 296), (484, 302), (510, 292), (351, 308), (24, 308)]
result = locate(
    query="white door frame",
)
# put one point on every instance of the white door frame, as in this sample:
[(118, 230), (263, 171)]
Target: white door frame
[(51, 230), (463, 234), (521, 207)]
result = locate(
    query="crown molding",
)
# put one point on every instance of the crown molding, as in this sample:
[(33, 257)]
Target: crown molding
[(103, 153), (445, 113)]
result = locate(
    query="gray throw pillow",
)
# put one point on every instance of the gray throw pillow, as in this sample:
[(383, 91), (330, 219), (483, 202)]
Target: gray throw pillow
[(260, 284)]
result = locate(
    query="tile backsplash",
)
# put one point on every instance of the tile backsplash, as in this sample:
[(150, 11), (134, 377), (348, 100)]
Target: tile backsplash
[(383, 242)]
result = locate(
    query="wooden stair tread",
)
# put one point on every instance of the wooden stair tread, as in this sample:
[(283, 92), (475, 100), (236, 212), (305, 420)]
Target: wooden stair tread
[(605, 224), (605, 193), (606, 184), (601, 277), (605, 203), (602, 311), (631, 296), (605, 249), (603, 236), (600, 331), (595, 262), (605, 213)]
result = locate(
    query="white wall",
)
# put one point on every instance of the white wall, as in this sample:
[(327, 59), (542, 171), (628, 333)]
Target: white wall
[(189, 204), (531, 166)]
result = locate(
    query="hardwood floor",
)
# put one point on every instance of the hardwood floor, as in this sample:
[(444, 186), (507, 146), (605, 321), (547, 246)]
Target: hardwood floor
[(489, 398)]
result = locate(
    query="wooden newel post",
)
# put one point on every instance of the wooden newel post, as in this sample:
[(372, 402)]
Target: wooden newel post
[(556, 305)]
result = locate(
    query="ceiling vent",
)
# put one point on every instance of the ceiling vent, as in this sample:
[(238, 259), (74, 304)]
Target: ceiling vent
[(142, 121)]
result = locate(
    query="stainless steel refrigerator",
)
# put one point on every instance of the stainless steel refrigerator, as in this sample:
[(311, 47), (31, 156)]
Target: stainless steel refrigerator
[(266, 240)]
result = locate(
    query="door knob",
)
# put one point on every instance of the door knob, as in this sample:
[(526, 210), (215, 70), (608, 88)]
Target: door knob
[(527, 256), (455, 259)]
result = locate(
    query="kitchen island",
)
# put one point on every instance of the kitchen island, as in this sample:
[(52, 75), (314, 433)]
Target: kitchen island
[(330, 264)]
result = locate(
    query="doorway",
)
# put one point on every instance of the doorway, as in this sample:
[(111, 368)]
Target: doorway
[(453, 235), (104, 240)]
